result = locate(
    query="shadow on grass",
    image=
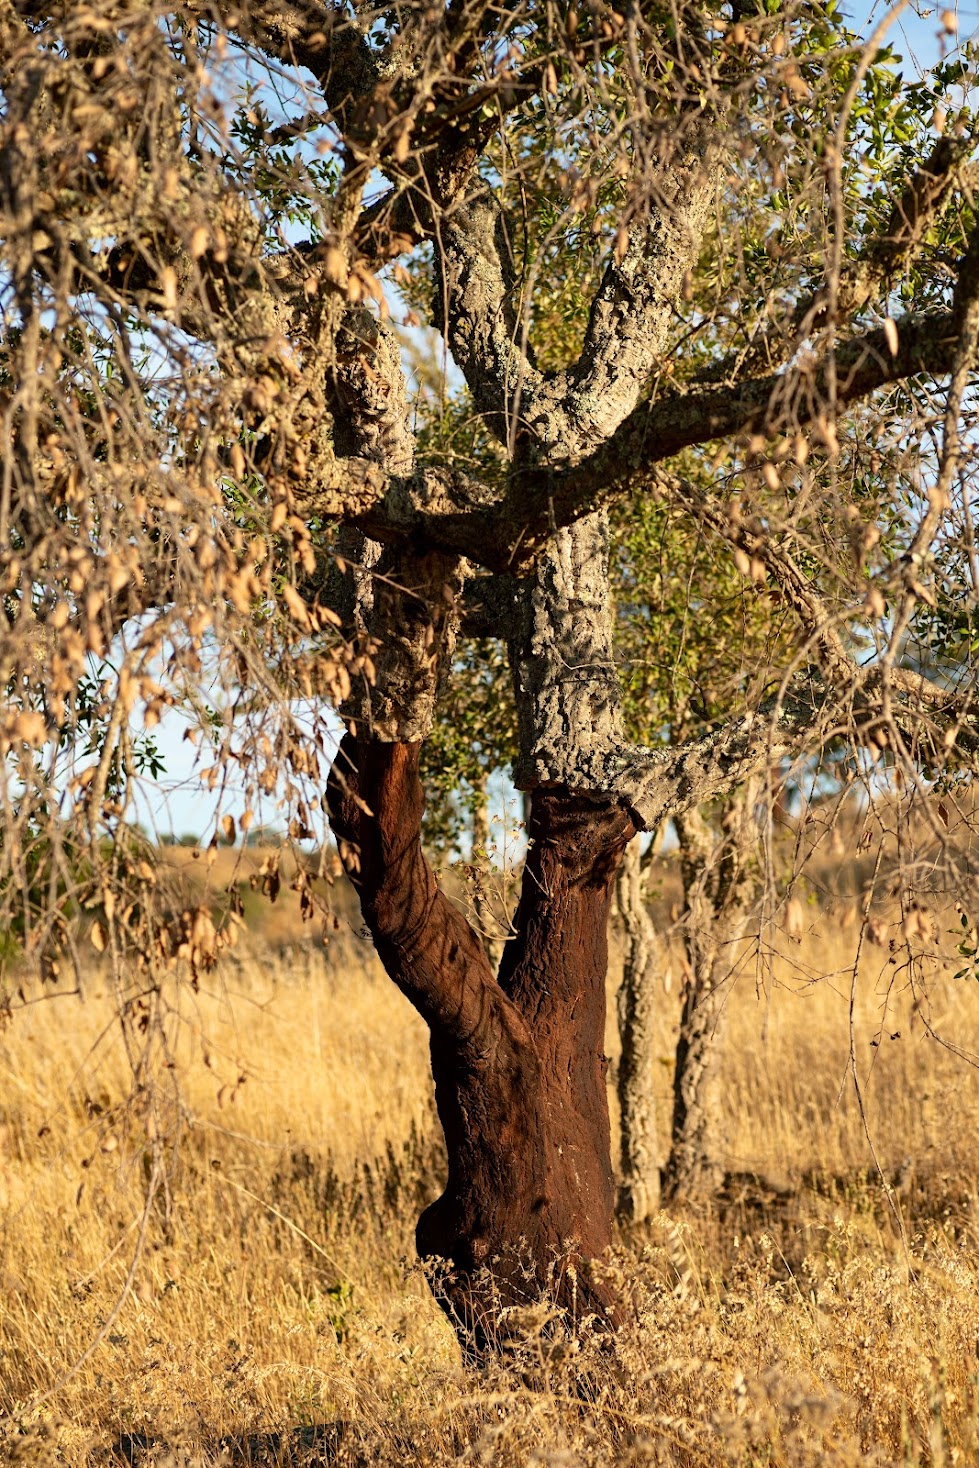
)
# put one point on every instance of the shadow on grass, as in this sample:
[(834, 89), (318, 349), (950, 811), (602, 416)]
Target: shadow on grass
[(303, 1447)]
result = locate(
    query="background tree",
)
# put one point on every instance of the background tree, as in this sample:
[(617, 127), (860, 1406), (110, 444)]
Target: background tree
[(212, 481), (692, 632)]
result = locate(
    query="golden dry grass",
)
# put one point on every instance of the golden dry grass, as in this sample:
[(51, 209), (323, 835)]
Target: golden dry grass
[(815, 1316)]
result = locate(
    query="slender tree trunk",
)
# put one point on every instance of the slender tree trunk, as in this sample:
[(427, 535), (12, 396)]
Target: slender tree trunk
[(695, 1166), (519, 1064), (718, 886), (639, 1172)]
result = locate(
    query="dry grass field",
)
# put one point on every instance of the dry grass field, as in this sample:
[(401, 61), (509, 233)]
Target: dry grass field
[(822, 1312)]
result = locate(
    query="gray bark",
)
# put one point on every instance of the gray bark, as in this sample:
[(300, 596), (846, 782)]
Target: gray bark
[(567, 690), (657, 784), (718, 889), (639, 1170), (561, 630), (561, 650), (412, 622), (562, 416), (371, 413), (402, 605), (446, 509)]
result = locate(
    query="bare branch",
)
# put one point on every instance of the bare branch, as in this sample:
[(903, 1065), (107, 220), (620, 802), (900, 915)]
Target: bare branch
[(452, 511), (773, 552), (658, 784), (875, 694), (421, 111), (308, 33), (965, 309)]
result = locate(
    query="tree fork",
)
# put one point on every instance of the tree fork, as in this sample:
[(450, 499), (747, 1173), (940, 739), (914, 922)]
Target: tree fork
[(519, 1064)]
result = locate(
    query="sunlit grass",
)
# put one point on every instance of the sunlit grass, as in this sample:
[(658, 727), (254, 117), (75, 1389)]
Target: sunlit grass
[(821, 1314)]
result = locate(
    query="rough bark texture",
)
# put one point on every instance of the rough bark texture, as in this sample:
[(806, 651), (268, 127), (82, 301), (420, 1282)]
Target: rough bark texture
[(567, 690), (372, 418), (314, 389), (639, 1167), (519, 1064), (413, 622), (718, 888), (402, 608), (560, 417), (695, 1167)]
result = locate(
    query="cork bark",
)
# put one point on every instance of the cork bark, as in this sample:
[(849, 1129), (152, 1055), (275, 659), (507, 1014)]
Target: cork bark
[(313, 385), (562, 659), (518, 1061)]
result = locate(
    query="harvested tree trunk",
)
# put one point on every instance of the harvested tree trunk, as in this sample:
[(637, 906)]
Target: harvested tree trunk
[(519, 1064), (518, 1061)]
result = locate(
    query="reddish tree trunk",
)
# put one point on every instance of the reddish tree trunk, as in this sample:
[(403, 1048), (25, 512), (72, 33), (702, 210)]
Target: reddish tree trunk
[(519, 1063)]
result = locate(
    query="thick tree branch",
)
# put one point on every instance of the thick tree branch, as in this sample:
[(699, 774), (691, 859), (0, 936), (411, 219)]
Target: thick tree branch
[(657, 785), (914, 212), (560, 417), (421, 111), (924, 196), (635, 306), (778, 403), (318, 36), (424, 942), (451, 510)]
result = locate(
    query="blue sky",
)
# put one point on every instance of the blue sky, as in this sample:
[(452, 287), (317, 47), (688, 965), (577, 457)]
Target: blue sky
[(918, 32)]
